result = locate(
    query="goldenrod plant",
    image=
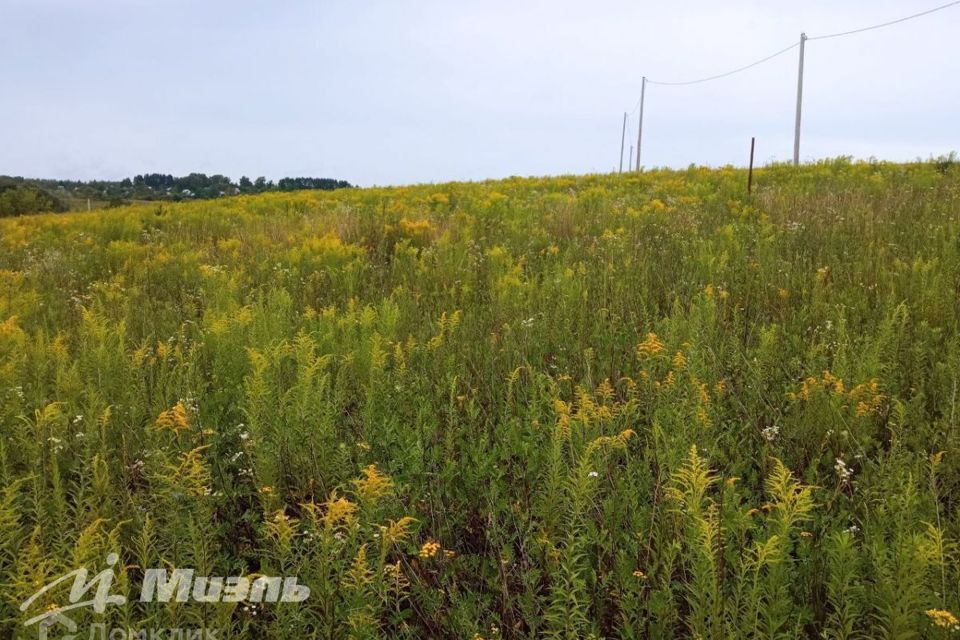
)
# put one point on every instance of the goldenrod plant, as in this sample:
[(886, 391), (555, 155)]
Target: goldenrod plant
[(643, 405)]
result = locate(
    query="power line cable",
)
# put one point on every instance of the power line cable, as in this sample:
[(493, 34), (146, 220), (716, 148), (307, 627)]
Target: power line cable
[(803, 39), (728, 73), (792, 46), (885, 24)]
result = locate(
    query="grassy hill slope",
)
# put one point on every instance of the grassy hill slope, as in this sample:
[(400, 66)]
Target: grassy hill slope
[(602, 406)]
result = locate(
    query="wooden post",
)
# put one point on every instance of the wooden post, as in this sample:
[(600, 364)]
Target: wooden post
[(750, 172)]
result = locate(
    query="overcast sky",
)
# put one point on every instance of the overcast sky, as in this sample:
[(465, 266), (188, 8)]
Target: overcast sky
[(401, 91)]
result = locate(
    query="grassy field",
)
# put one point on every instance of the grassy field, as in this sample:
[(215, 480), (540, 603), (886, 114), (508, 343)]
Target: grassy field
[(614, 406)]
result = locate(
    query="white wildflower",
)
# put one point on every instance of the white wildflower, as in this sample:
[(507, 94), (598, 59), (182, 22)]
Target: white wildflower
[(770, 432), (843, 471)]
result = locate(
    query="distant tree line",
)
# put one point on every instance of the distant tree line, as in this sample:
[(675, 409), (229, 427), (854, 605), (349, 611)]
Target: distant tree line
[(17, 199), (27, 195)]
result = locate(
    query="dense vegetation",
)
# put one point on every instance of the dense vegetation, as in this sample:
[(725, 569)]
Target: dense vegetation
[(640, 405), (17, 199), (27, 195)]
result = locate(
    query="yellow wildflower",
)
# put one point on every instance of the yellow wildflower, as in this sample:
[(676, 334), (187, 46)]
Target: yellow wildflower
[(669, 380), (651, 346), (703, 393), (9, 327), (416, 228), (374, 485), (679, 360), (605, 391), (703, 417), (174, 419), (339, 510), (397, 531), (943, 618), (807, 388), (429, 549)]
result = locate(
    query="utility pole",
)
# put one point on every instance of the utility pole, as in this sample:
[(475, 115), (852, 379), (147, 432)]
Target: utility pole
[(750, 174), (623, 139), (643, 90), (796, 130), (630, 160)]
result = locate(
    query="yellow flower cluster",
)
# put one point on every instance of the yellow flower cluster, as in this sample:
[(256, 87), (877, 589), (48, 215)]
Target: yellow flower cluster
[(415, 228), (373, 485), (650, 346), (667, 382), (334, 512), (191, 474), (445, 328), (330, 245), (397, 531), (588, 408), (679, 360), (710, 290), (656, 205), (9, 326), (943, 619), (618, 441), (829, 383), (174, 419), (865, 398)]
